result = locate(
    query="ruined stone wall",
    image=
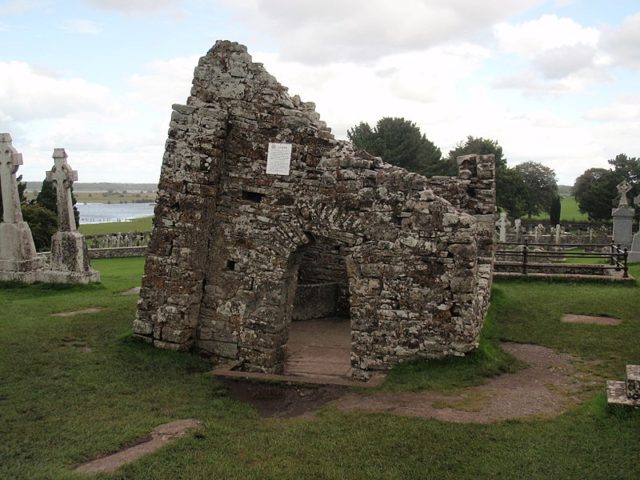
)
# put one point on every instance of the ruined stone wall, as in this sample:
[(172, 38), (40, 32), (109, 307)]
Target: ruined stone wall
[(228, 239)]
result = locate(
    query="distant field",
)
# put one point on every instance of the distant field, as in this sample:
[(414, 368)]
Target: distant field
[(116, 197), (569, 212), (107, 197), (137, 225)]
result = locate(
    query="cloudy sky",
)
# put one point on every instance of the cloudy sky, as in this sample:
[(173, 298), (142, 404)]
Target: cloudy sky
[(556, 81)]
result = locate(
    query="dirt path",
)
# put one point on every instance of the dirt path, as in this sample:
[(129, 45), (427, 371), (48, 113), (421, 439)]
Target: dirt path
[(549, 386)]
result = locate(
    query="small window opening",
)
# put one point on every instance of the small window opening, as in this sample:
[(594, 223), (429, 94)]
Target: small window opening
[(231, 265), (252, 196)]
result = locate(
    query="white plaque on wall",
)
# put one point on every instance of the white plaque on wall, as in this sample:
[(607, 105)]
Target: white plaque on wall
[(279, 159)]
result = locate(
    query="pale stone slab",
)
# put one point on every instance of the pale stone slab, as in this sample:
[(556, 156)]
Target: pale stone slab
[(589, 320), (77, 312), (160, 436)]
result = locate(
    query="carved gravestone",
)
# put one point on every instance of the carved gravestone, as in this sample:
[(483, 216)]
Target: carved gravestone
[(634, 254), (623, 217), (69, 253), (517, 227), (17, 251), (502, 225)]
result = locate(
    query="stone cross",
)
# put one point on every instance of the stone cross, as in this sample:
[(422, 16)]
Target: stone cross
[(10, 160), (502, 223), (63, 176), (623, 188)]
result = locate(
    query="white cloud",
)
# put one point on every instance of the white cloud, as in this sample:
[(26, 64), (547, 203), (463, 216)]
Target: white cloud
[(130, 6), (17, 6), (421, 86), (82, 27), (532, 38), (623, 42), (562, 61), (134, 6), (625, 109), (365, 30), (28, 94), (163, 83), (562, 56)]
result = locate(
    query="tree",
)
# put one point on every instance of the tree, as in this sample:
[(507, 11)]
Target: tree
[(555, 210), (42, 222), (399, 142), (510, 191), (595, 192), (540, 187)]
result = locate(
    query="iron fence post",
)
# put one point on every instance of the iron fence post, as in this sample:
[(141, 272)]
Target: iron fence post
[(524, 258)]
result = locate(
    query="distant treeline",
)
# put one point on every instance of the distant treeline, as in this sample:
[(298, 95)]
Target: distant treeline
[(103, 187)]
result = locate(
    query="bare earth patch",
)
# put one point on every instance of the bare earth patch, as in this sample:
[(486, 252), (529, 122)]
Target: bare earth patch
[(551, 384), (547, 387), (77, 312), (589, 320), (160, 436), (282, 400)]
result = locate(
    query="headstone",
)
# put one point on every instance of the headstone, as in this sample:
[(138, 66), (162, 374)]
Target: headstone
[(634, 254), (537, 231), (502, 224), (558, 231), (517, 223), (18, 255), (623, 217), (69, 253), (623, 188)]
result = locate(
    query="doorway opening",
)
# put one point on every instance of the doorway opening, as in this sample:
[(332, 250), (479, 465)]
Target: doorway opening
[(319, 340)]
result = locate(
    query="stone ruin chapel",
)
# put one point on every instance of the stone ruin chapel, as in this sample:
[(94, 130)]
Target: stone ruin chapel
[(264, 219)]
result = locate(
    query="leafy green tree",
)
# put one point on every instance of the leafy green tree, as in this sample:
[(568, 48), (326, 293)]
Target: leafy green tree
[(399, 142), (42, 222), (555, 210), (540, 187), (595, 192)]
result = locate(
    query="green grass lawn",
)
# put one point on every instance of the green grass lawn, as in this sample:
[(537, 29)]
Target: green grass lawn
[(60, 406), (569, 212), (135, 225)]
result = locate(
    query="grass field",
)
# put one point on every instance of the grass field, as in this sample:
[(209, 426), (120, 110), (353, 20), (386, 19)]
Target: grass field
[(135, 225), (60, 405), (569, 211)]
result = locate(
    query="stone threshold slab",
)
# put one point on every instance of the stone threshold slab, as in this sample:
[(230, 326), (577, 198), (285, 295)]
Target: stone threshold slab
[(229, 371), (617, 395), (160, 436), (590, 319)]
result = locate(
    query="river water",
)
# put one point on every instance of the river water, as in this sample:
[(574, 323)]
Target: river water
[(113, 212)]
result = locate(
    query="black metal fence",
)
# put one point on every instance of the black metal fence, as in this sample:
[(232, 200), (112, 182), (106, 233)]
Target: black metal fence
[(612, 256)]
